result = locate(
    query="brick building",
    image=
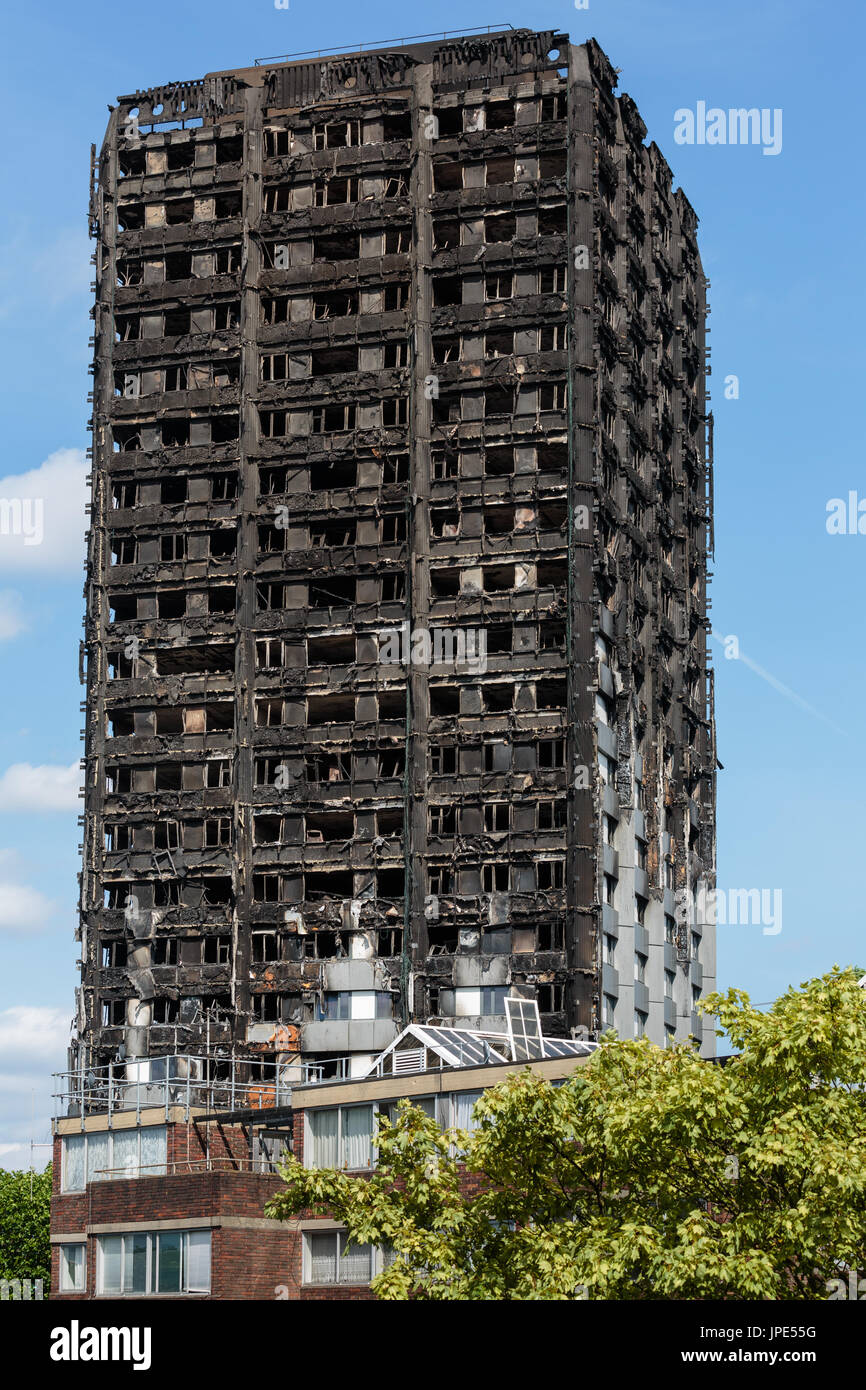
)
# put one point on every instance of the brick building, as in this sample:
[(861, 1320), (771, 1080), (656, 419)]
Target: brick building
[(398, 698), (168, 1200)]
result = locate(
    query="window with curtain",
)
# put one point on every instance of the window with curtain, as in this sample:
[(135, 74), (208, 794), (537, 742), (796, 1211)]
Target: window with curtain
[(331, 1260), (355, 1265), (322, 1130), (198, 1262), (323, 1258), (153, 1150), (110, 1264), (463, 1102), (72, 1268), (73, 1163), (357, 1136), (343, 1137), (121, 1153), (124, 1153), (98, 1157)]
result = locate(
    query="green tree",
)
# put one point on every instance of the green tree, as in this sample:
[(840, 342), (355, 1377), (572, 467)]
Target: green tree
[(649, 1174), (25, 1248)]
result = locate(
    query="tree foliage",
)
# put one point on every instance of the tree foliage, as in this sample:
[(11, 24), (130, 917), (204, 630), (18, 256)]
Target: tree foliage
[(25, 1248), (649, 1174)]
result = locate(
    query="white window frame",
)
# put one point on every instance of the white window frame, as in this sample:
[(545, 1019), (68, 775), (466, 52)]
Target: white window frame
[(379, 1260), (152, 1266), (81, 1284), (151, 1171), (340, 1110), (444, 1108)]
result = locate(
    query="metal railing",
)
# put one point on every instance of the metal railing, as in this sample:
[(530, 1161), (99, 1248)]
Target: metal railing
[(188, 1082), (180, 1167)]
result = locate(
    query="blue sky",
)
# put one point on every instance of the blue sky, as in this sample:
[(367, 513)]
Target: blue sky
[(779, 240)]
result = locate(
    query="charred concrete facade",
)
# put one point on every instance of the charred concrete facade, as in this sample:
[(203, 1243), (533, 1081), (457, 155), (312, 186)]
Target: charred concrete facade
[(394, 351)]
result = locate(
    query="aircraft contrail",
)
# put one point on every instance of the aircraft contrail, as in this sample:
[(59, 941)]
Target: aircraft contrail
[(777, 684)]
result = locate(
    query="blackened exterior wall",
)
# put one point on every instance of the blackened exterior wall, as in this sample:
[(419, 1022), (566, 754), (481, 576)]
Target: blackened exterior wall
[(387, 344)]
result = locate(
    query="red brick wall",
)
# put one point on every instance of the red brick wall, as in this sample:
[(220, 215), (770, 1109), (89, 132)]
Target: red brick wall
[(251, 1264), (246, 1263), (258, 1263), (227, 1145)]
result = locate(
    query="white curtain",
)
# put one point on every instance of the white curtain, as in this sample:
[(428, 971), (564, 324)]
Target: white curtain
[(358, 1136), (198, 1262), (124, 1157), (73, 1163), (153, 1151), (323, 1258), (355, 1263), (110, 1251), (463, 1103), (322, 1132), (97, 1157), (72, 1268)]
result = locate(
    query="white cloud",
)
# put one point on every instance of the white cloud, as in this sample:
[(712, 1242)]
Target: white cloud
[(17, 1155), (46, 787), (11, 617), (23, 908), (42, 521), (33, 1030), (18, 1150), (16, 1158)]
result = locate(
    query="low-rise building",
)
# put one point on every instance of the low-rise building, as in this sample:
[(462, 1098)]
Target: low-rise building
[(161, 1184)]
